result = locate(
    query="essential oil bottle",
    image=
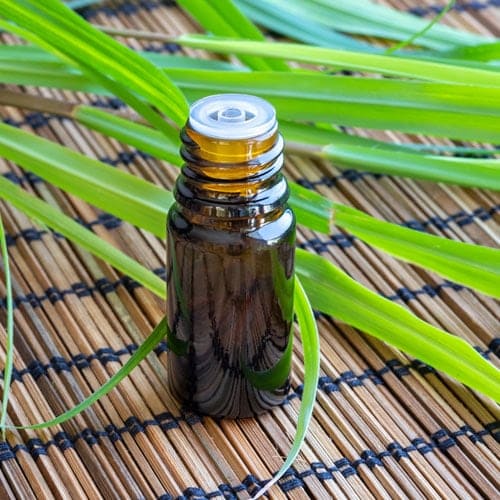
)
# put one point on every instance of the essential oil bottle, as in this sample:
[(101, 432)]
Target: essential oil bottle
[(230, 261)]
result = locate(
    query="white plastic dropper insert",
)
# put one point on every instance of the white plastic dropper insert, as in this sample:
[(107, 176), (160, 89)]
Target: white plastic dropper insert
[(232, 116)]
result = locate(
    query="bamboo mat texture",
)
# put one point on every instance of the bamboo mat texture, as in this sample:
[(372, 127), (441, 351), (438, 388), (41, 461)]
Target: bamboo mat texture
[(384, 426)]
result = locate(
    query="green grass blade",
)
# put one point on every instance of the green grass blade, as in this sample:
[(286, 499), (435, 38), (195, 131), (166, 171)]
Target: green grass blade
[(343, 59), (310, 342), (299, 28), (481, 52), (333, 292), (56, 220), (142, 352), (311, 209), (65, 33), (144, 138), (472, 265), (111, 189), (461, 171), (9, 348), (120, 61), (365, 17), (419, 34), (113, 86), (222, 17), (458, 111), (34, 55), (450, 110)]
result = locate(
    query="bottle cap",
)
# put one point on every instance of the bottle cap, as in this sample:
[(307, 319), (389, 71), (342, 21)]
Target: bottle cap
[(232, 116)]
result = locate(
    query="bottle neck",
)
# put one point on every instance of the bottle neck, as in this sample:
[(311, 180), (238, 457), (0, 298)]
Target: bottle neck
[(235, 182)]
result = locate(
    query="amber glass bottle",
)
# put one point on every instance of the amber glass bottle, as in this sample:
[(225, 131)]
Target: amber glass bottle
[(230, 255)]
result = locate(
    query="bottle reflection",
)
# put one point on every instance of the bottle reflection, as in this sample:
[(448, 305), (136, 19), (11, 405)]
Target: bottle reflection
[(233, 313)]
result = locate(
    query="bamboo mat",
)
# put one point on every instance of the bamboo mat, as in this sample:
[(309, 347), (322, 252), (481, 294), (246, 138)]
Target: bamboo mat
[(385, 426)]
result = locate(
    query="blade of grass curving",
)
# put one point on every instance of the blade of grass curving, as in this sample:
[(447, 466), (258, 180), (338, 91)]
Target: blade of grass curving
[(56, 220), (222, 17), (108, 188), (331, 291), (459, 111), (142, 352), (9, 348), (343, 59), (120, 61), (423, 31), (311, 135), (64, 33), (310, 343), (105, 82), (472, 265)]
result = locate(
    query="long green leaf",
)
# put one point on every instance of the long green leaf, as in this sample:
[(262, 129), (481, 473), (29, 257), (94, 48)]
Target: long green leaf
[(451, 110), (343, 59), (222, 17), (333, 292), (310, 344), (458, 111), (31, 54), (64, 32), (144, 138), (365, 17), (472, 265), (311, 209), (111, 189), (9, 348), (461, 171), (56, 220), (114, 86), (302, 29), (142, 352), (481, 52)]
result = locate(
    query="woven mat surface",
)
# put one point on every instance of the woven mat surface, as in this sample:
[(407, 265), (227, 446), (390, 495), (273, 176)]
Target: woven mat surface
[(384, 426)]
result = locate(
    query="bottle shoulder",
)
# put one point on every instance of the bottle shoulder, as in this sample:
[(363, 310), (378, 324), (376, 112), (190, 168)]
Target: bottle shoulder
[(277, 228)]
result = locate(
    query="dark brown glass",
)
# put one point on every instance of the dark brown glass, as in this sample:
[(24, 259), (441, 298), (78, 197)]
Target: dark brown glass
[(230, 260)]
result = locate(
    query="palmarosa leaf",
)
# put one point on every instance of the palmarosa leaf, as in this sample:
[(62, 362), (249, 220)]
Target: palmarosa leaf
[(333, 292), (59, 30), (142, 352), (310, 343), (56, 220), (9, 348), (472, 265), (460, 111), (362, 17), (223, 18), (343, 59), (111, 189)]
